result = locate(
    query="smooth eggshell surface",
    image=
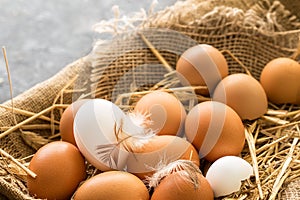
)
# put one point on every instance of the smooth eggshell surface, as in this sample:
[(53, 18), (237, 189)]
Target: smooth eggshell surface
[(67, 121), (174, 187), (95, 128), (202, 65), (281, 80), (59, 167), (165, 111), (225, 174), (244, 94), (112, 185), (215, 130), (160, 150)]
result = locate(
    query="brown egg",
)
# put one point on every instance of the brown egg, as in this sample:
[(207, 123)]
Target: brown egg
[(202, 65), (67, 119), (281, 80), (160, 150), (59, 167), (112, 185), (175, 187), (215, 130), (165, 111), (244, 94)]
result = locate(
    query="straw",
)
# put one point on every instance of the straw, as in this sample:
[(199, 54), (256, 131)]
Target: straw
[(17, 126), (156, 53), (8, 156)]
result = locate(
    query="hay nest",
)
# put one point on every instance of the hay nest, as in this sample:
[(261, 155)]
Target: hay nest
[(249, 34)]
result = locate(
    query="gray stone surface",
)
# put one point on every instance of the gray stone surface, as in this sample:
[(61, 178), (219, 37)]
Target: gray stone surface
[(41, 37)]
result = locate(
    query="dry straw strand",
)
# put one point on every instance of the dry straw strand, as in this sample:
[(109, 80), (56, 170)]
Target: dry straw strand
[(123, 96), (276, 112), (27, 113), (8, 156), (31, 139), (251, 144), (31, 127), (28, 120), (237, 60), (9, 80), (281, 176), (267, 146), (34, 140), (60, 96), (156, 53), (281, 126), (296, 55), (275, 120)]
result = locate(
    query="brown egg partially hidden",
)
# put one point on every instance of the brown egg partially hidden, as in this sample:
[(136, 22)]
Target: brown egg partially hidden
[(165, 112), (67, 121), (160, 150), (202, 65), (244, 94), (59, 167), (215, 130), (112, 185), (281, 80), (176, 187)]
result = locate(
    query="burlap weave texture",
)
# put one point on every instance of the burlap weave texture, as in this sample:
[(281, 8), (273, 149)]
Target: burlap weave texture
[(253, 31)]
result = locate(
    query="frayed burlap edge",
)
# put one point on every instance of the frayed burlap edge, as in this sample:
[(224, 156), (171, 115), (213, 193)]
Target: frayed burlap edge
[(35, 99)]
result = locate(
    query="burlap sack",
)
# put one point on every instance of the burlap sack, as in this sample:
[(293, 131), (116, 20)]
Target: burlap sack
[(253, 31)]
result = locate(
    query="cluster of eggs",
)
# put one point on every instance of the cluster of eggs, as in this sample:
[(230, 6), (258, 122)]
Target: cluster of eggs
[(129, 148), (204, 65)]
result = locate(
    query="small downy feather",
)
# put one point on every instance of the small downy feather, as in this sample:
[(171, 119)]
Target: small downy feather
[(132, 133), (187, 169)]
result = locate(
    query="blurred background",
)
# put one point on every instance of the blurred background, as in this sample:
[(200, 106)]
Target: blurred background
[(42, 37)]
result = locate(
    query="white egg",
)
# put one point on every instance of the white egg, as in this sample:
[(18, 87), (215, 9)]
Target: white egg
[(226, 173), (103, 133), (95, 127)]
